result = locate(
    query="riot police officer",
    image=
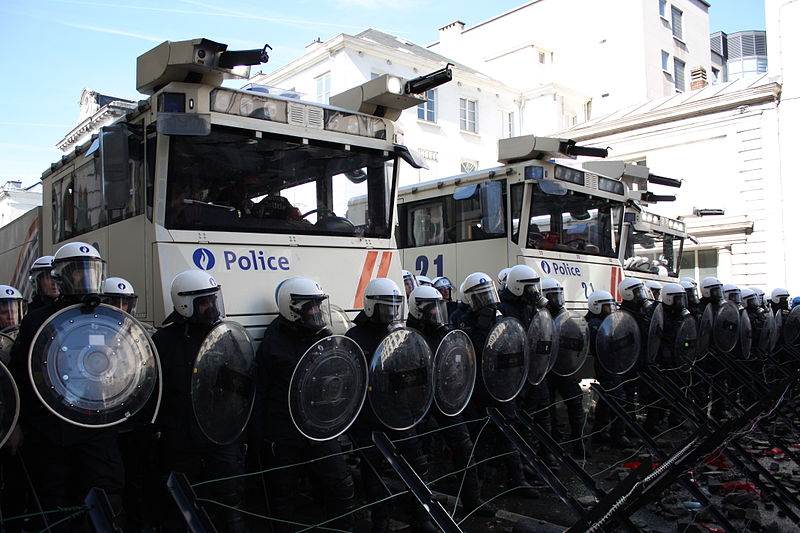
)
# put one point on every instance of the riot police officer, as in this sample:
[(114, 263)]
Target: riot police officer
[(502, 276), (711, 295), (779, 300), (119, 293), (480, 314), (45, 289), (301, 322), (608, 428), (12, 308), (522, 299), (567, 386), (692, 299), (424, 281), (655, 289), (383, 311), (427, 313), (64, 460), (409, 282), (445, 288), (183, 447)]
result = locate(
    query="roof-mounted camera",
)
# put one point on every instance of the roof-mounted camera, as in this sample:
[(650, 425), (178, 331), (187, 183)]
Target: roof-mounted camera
[(527, 147)]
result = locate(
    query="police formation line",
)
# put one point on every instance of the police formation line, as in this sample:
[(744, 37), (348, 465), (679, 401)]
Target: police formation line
[(104, 404)]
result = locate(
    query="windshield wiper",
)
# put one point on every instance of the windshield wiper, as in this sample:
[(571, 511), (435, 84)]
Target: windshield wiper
[(209, 204)]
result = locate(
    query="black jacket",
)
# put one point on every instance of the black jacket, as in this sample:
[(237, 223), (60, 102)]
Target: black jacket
[(283, 345), (516, 306), (178, 344)]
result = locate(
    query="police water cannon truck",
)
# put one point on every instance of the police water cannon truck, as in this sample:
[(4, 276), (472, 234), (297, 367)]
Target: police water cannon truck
[(249, 186)]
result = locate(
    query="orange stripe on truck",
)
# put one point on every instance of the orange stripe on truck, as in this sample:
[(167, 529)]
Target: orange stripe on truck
[(383, 268), (366, 274)]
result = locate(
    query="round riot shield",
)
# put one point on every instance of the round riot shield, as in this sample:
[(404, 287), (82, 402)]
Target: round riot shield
[(654, 333), (455, 366), (401, 381), (791, 327), (542, 346), (767, 334), (725, 331), (705, 329), (340, 322), (573, 344), (504, 362), (328, 388), (685, 350), (7, 338), (95, 368), (9, 404), (223, 382), (618, 342), (745, 335)]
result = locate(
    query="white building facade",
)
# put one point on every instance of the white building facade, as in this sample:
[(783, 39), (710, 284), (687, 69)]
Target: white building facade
[(15, 200)]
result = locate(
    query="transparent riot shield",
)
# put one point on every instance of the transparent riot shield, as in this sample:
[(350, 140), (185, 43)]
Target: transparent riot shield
[(340, 322), (328, 388), (93, 367), (705, 330), (573, 344), (726, 327), (7, 338), (456, 368), (745, 336), (223, 382), (542, 346), (767, 334), (791, 328), (686, 340), (9, 404), (504, 361), (618, 342), (655, 332), (401, 379)]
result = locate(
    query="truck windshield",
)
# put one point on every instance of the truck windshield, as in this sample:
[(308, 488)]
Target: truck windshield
[(574, 223), (234, 180), (653, 252)]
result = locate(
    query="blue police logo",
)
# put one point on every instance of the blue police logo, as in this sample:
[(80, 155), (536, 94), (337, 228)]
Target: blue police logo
[(84, 249), (546, 267), (121, 286), (9, 292), (203, 259)]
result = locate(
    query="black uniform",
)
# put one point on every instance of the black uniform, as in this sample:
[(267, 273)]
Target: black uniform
[(570, 390), (368, 335), (281, 444), (712, 367), (534, 399), (182, 445), (455, 432), (64, 461)]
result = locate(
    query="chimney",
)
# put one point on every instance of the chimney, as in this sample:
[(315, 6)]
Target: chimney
[(449, 34), (698, 77), (313, 45)]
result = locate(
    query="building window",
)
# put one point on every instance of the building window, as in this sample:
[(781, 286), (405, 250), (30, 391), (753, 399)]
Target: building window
[(587, 110), (468, 165), (541, 58), (324, 89), (677, 23), (664, 61), (427, 110), (507, 124), (699, 264), (662, 8), (468, 112), (680, 70)]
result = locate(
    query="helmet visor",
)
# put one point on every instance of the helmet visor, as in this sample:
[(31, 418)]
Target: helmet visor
[(314, 311), (679, 301), (531, 291), (691, 296), (387, 309), (410, 283), (11, 312), (639, 293), (432, 311), (735, 296), (126, 302), (78, 277), (715, 292), (482, 296), (555, 297), (43, 283), (208, 308)]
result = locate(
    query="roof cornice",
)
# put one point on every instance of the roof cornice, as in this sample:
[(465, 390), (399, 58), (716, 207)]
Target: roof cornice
[(752, 95), (113, 110)]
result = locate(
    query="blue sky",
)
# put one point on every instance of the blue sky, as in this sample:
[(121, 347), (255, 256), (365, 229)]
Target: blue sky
[(52, 49)]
